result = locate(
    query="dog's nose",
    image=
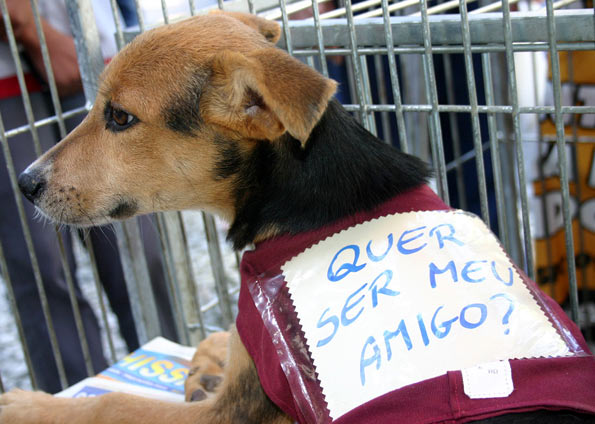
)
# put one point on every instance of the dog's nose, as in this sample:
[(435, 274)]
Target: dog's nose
[(32, 184)]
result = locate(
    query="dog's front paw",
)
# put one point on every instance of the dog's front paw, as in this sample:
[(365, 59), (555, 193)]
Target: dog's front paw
[(23, 407), (206, 372)]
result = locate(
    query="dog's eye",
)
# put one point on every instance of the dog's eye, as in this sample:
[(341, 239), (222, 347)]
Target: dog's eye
[(118, 119), (121, 118)]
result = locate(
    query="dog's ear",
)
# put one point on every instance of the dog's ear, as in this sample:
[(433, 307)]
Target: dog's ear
[(269, 29), (267, 92)]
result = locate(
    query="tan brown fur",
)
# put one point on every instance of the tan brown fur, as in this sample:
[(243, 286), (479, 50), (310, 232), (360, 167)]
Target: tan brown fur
[(259, 70), (142, 80), (270, 30), (247, 89), (207, 367)]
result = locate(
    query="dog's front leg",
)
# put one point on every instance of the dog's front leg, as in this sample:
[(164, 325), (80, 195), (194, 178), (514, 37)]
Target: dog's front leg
[(23, 407), (240, 399)]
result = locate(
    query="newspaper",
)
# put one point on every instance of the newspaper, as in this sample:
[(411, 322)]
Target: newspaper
[(156, 370)]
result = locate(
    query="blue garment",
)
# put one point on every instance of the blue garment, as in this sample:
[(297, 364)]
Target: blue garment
[(128, 12)]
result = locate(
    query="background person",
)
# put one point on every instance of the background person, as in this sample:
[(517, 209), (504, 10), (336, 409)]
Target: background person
[(65, 68)]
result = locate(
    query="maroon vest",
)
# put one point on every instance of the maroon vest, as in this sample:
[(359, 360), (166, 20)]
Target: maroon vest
[(543, 383)]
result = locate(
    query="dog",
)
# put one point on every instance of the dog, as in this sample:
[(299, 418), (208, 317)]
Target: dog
[(208, 114)]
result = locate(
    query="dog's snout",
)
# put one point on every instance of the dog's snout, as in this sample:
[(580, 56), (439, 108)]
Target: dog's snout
[(32, 184)]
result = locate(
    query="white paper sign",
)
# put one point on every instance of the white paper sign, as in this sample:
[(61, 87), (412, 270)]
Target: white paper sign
[(407, 297)]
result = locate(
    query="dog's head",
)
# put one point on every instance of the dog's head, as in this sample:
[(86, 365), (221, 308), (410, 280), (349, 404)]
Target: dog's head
[(176, 112)]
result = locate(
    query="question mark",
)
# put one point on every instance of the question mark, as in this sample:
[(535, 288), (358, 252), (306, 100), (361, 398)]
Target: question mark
[(506, 316)]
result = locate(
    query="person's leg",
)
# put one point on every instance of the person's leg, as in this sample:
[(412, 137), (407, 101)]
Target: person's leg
[(151, 242), (48, 257), (110, 273)]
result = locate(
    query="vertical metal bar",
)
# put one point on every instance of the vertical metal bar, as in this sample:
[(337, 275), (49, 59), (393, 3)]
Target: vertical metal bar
[(172, 228), (217, 268), (432, 93), (17, 317), (32, 256), (579, 195), (510, 186), (543, 196), (100, 296), (587, 323), (48, 68), (286, 30), (192, 5), (173, 285), (367, 95), (363, 112), (319, 38), (138, 282), (527, 239), (164, 11), (562, 161), (88, 48), (546, 224), (382, 97), (479, 164), (238, 260), (353, 94), (454, 132), (78, 321), (495, 149), (139, 16), (21, 77), (394, 78), (170, 274), (118, 23), (414, 92)]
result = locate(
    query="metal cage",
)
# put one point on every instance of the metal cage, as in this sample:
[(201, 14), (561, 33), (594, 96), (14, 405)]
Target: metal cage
[(459, 83)]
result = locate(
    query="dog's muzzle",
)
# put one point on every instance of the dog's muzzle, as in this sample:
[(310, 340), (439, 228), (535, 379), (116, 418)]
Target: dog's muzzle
[(32, 184)]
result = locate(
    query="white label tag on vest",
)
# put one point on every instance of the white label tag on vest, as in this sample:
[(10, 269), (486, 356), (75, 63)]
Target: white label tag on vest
[(488, 380), (408, 297)]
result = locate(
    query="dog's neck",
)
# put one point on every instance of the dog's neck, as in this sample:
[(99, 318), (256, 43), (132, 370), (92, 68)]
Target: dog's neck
[(282, 188)]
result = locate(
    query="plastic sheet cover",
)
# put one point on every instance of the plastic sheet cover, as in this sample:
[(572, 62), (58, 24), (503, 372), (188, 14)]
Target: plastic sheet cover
[(397, 300)]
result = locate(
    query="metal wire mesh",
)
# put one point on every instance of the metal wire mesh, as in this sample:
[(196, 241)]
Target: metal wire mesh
[(436, 79)]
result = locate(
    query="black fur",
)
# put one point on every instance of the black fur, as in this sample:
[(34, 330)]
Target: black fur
[(230, 158), (182, 113), (343, 169)]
